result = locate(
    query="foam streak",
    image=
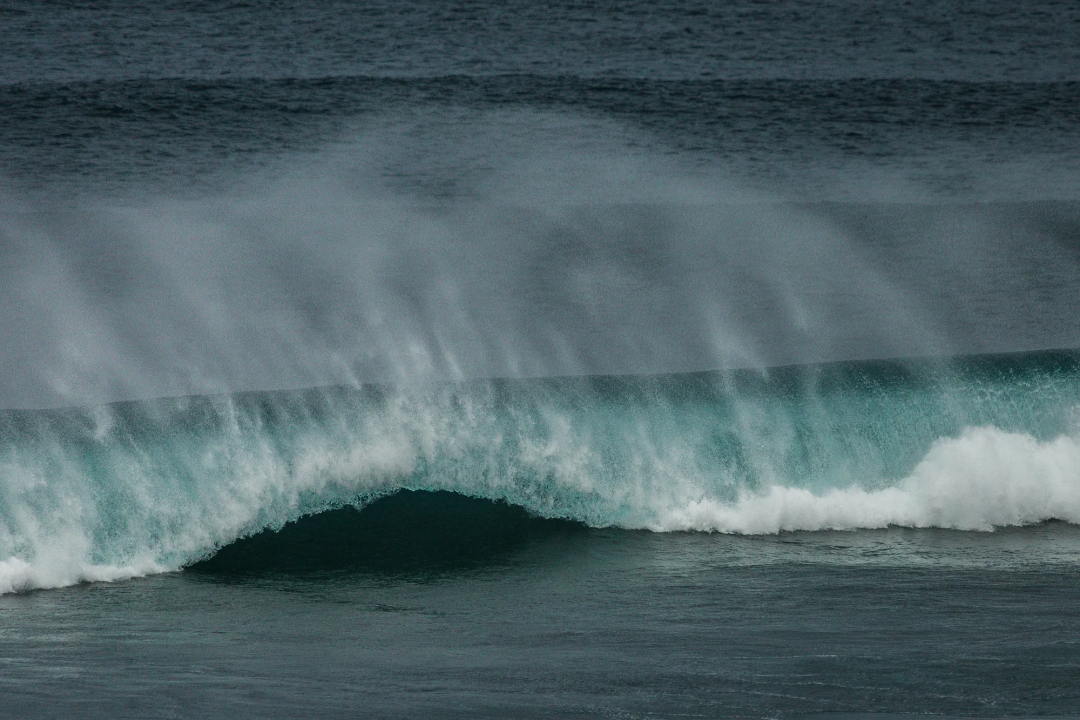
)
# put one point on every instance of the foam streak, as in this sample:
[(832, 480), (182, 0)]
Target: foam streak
[(984, 479)]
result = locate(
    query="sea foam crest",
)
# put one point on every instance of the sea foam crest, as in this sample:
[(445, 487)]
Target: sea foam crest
[(985, 478), (137, 488), (18, 575)]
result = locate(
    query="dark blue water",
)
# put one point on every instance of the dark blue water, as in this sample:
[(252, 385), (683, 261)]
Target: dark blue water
[(663, 359), (571, 622)]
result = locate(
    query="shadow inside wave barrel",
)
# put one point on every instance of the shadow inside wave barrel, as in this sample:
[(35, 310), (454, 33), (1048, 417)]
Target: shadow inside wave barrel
[(410, 533)]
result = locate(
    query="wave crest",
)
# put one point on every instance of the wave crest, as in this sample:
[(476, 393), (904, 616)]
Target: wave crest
[(135, 488), (984, 479)]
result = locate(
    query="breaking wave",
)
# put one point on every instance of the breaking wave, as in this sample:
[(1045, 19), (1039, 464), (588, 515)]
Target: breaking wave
[(127, 489)]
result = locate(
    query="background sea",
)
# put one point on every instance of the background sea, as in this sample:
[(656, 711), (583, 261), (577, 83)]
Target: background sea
[(518, 359)]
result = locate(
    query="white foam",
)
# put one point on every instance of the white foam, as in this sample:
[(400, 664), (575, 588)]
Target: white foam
[(48, 528), (17, 575), (985, 478)]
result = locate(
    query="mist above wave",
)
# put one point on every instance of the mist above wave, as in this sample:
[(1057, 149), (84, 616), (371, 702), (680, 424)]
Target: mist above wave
[(560, 251)]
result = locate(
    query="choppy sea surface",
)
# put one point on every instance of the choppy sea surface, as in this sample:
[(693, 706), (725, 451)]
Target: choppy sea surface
[(649, 359)]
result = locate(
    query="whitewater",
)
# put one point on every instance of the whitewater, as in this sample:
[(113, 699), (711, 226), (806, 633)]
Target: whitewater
[(127, 489)]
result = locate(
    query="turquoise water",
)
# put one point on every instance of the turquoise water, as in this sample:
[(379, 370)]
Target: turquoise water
[(131, 488)]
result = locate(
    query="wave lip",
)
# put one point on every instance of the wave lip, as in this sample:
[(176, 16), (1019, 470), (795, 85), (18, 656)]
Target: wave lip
[(982, 480)]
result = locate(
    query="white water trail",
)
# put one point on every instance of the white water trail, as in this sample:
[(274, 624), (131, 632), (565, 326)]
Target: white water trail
[(984, 479)]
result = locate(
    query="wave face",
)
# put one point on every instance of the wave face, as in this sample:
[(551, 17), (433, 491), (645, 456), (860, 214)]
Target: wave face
[(125, 489)]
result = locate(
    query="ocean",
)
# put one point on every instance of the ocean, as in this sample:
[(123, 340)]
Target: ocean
[(519, 360)]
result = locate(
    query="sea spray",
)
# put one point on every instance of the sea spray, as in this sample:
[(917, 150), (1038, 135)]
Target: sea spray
[(130, 488)]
